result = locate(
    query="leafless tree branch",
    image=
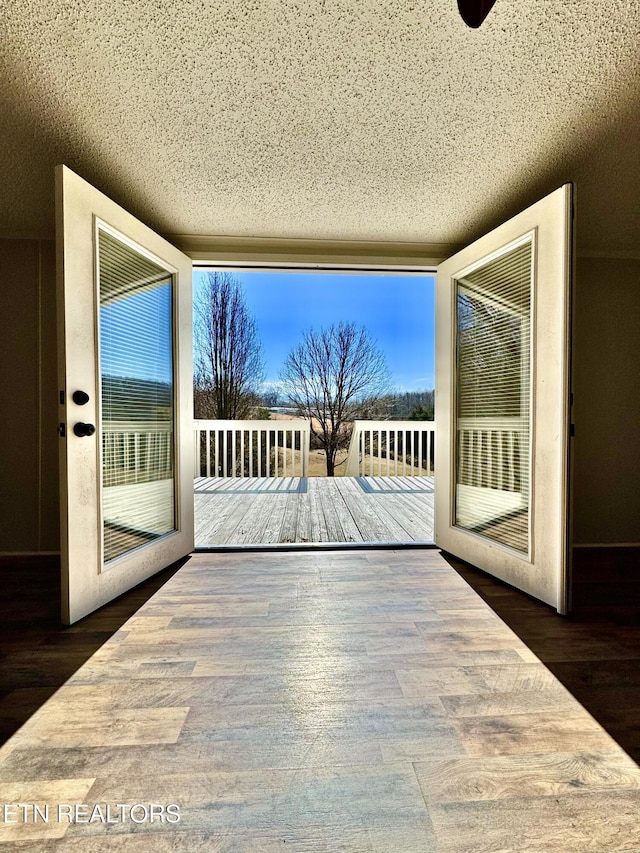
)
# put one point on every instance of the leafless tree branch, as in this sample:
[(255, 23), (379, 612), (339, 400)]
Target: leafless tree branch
[(330, 377), (228, 360)]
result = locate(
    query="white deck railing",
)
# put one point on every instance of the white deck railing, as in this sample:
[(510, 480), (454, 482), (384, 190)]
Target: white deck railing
[(391, 449), (251, 448), (493, 452), (136, 451)]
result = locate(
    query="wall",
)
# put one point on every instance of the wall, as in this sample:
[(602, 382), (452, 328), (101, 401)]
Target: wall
[(607, 402), (28, 392)]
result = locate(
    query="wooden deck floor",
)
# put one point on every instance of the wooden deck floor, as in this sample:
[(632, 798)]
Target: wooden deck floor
[(362, 701), (315, 509)]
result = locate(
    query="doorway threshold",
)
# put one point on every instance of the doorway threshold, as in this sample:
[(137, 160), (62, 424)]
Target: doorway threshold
[(313, 546)]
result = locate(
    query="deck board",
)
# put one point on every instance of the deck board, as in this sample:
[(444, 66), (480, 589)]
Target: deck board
[(251, 510)]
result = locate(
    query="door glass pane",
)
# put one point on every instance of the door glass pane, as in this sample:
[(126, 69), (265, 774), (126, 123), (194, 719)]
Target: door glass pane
[(493, 399), (137, 414)]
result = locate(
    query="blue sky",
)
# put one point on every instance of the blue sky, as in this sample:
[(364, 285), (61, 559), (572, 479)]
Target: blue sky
[(397, 310)]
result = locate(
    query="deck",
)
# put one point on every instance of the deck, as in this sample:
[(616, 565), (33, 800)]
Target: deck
[(244, 511)]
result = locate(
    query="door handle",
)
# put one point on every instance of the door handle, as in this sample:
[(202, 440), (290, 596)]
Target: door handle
[(80, 398), (81, 429)]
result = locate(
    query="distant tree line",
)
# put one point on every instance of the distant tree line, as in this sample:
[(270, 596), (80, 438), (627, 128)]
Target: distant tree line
[(398, 406), (411, 406)]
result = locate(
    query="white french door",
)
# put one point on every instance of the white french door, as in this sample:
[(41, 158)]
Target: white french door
[(503, 400), (125, 372)]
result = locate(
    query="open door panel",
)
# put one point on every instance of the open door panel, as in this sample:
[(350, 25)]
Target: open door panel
[(503, 309), (125, 373)]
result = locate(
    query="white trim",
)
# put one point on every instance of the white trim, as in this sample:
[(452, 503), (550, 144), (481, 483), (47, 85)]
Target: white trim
[(101, 224), (170, 272), (272, 252), (348, 268)]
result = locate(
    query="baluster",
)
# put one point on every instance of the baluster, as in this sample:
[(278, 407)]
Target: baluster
[(234, 452), (512, 475), (267, 438), (284, 452), (387, 452), (305, 455), (491, 460), (372, 451), (395, 452), (223, 452)]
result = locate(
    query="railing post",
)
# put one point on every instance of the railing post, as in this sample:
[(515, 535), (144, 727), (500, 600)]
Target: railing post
[(352, 466)]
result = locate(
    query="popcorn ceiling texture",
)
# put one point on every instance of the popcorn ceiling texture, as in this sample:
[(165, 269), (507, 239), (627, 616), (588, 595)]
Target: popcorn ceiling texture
[(370, 120)]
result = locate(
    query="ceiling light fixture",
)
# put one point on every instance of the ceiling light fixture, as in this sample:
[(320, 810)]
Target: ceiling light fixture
[(474, 11)]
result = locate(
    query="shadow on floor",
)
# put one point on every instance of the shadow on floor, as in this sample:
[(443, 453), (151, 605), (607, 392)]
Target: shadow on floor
[(37, 653), (594, 652)]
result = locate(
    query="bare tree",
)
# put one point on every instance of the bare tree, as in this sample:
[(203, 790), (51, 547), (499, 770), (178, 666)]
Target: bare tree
[(330, 377), (228, 360)]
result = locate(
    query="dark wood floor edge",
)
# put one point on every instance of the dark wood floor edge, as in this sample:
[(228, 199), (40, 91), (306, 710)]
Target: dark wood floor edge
[(27, 557)]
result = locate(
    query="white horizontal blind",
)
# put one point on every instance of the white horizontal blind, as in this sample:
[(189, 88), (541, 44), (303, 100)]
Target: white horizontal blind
[(493, 399), (137, 411)]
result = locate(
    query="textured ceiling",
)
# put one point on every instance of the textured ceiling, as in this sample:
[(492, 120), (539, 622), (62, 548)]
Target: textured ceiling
[(368, 120)]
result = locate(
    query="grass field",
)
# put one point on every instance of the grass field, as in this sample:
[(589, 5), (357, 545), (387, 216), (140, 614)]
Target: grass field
[(318, 464)]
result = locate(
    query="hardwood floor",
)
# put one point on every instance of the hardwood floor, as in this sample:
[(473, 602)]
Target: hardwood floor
[(327, 701), (595, 652), (251, 510), (38, 654)]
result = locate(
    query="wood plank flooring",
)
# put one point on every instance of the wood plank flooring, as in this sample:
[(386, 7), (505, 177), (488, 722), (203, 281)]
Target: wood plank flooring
[(37, 654), (595, 652), (357, 701), (243, 511)]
